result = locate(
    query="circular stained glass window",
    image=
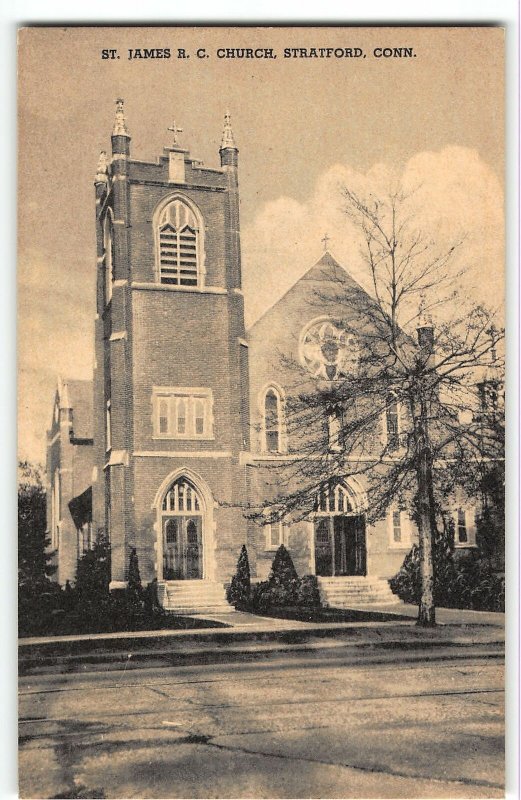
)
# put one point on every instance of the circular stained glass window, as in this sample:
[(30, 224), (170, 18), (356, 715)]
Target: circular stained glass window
[(328, 350)]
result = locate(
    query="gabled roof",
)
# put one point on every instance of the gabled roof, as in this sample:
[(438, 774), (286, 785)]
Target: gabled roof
[(326, 270)]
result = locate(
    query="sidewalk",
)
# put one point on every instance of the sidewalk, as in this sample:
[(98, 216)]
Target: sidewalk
[(249, 637), (240, 623)]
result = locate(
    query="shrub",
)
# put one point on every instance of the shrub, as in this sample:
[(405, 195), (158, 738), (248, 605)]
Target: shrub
[(406, 582), (460, 581), (92, 583), (134, 603), (308, 595), (283, 587), (283, 581), (239, 591)]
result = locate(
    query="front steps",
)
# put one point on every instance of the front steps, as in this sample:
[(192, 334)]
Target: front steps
[(354, 590), (194, 597)]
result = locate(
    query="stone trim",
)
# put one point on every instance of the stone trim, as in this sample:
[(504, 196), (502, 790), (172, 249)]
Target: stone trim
[(182, 454), (164, 287)]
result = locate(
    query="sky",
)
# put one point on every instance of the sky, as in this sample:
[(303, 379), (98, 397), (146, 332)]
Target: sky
[(305, 127)]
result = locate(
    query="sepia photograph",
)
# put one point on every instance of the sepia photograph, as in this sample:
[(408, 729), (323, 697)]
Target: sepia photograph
[(261, 412)]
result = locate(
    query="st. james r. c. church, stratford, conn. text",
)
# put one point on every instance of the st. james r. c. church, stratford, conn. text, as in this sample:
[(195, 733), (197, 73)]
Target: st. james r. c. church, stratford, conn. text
[(178, 433)]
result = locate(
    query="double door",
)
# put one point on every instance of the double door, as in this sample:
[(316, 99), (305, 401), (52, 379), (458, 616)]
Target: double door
[(182, 548), (340, 547)]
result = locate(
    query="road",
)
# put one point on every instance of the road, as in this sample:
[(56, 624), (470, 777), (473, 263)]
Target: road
[(290, 727)]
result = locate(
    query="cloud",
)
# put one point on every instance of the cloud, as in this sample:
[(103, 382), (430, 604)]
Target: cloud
[(456, 194)]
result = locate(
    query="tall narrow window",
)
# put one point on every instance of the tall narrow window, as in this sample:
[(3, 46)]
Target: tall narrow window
[(273, 422), (108, 245), (274, 535), (198, 416), (397, 527), (461, 532), (55, 511), (335, 424), (181, 415), (108, 426), (163, 415), (179, 245), (392, 423)]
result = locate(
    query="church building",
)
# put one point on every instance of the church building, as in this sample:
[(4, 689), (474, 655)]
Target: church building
[(177, 435)]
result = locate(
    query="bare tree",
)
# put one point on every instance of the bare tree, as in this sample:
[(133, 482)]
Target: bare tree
[(394, 399)]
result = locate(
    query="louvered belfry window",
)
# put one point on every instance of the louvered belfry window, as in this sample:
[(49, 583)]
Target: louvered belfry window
[(178, 245)]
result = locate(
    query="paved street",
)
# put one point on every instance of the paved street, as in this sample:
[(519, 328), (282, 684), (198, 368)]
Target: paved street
[(304, 726)]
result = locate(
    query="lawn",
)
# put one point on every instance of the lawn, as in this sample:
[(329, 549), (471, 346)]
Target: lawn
[(328, 614)]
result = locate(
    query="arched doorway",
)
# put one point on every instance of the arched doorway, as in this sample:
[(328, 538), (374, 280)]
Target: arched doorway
[(182, 519), (339, 532)]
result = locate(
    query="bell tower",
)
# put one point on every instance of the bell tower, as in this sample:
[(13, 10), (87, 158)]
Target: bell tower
[(171, 371)]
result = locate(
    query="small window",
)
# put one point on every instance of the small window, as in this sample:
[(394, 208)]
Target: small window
[(182, 413), (273, 422), (335, 424), (399, 528), (274, 535)]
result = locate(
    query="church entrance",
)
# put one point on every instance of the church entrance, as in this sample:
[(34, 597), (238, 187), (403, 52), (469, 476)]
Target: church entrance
[(339, 530), (340, 546), (182, 522)]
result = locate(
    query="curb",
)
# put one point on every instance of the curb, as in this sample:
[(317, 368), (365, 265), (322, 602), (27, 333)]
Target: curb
[(426, 649)]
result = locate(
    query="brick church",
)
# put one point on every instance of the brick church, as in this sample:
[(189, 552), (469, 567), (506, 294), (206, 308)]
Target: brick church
[(178, 432)]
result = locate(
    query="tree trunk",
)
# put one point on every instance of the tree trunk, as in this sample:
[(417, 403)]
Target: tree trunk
[(426, 611)]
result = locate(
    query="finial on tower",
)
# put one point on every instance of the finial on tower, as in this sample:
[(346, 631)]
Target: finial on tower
[(102, 168), (228, 139), (325, 240), (492, 332), (175, 130), (424, 318), (120, 122)]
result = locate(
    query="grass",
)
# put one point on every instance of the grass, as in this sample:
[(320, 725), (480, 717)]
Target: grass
[(69, 623), (328, 614)]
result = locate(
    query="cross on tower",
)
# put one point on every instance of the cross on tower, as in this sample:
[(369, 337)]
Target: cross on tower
[(175, 130), (326, 239)]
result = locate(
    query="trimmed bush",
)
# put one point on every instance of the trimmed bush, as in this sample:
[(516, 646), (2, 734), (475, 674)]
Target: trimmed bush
[(283, 588), (308, 595), (239, 591)]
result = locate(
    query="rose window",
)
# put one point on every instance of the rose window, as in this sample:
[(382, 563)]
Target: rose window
[(327, 350)]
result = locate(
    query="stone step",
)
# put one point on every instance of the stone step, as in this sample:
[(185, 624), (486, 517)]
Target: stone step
[(202, 592), (201, 610), (194, 597), (345, 592)]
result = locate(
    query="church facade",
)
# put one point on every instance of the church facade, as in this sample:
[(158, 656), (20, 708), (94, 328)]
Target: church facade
[(184, 429)]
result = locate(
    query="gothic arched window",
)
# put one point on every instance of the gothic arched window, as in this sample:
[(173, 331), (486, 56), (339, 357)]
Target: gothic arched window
[(273, 421), (179, 245)]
